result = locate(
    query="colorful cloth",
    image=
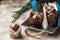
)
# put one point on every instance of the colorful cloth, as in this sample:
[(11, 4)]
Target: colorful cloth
[(34, 4), (58, 7)]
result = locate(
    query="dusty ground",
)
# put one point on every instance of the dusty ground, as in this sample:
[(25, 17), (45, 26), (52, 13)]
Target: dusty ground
[(15, 2), (5, 19)]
